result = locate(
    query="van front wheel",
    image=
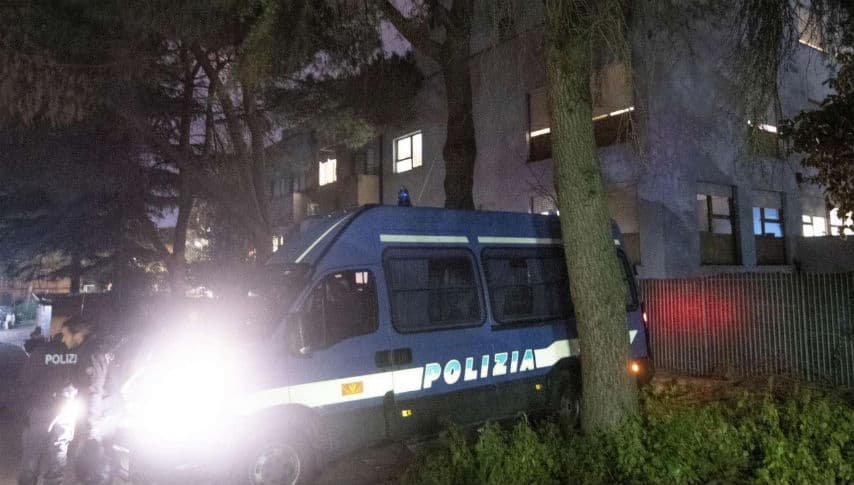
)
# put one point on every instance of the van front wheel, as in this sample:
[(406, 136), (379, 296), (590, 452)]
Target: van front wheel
[(279, 460)]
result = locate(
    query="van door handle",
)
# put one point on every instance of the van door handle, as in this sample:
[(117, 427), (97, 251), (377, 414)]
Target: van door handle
[(401, 356), (387, 358), (383, 358)]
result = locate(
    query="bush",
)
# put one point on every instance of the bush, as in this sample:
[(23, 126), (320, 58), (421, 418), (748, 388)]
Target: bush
[(26, 311), (794, 436)]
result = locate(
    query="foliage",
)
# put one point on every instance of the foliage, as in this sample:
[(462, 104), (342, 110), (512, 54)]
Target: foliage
[(826, 136), (67, 203), (781, 436), (26, 311), (199, 90)]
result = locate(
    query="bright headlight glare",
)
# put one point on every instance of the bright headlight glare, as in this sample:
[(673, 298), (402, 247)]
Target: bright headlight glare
[(68, 415), (181, 399)]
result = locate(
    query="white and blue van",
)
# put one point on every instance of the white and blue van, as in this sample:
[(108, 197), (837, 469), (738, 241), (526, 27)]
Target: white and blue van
[(395, 319)]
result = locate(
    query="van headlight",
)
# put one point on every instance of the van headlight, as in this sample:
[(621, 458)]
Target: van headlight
[(179, 399)]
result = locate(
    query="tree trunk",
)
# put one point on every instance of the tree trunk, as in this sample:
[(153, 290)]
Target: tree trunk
[(74, 274), (595, 277), (177, 263), (460, 147)]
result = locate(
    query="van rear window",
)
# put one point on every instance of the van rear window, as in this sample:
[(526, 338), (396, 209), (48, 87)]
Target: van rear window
[(527, 285), (431, 289)]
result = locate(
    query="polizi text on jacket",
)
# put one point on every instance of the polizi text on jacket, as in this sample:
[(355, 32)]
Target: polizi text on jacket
[(60, 359)]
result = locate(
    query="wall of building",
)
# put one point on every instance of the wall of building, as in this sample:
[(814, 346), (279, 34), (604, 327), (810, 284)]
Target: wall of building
[(691, 128)]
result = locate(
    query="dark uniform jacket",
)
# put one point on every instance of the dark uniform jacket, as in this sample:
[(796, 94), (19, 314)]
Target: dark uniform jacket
[(52, 371)]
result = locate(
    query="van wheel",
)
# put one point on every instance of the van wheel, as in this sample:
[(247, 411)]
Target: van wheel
[(567, 401), (286, 459)]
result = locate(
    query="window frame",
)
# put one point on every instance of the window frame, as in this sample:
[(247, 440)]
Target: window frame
[(334, 171), (733, 220), (528, 322), (765, 220), (711, 215), (529, 97), (476, 273), (307, 301), (813, 225), (395, 161), (842, 229)]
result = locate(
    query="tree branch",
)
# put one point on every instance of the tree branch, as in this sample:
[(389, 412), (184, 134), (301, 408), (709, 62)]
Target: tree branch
[(416, 32), (149, 230)]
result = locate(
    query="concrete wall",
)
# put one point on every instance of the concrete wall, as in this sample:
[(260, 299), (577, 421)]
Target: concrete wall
[(826, 254)]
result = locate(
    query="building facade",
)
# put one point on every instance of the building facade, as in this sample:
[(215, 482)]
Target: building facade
[(696, 186)]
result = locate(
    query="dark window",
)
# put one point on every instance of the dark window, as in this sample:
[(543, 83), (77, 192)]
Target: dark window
[(613, 128), (432, 288), (716, 221), (300, 183), (768, 230), (608, 129), (527, 285), (763, 142), (342, 306), (539, 133)]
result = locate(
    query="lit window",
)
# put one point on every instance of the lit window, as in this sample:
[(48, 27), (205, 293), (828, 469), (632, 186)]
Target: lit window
[(768, 228), (767, 222), (328, 174), (814, 226), (764, 127), (765, 140), (839, 227), (808, 26), (716, 223), (608, 128), (278, 241), (407, 152), (361, 277)]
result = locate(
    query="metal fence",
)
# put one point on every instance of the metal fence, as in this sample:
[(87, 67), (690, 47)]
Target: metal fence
[(755, 324)]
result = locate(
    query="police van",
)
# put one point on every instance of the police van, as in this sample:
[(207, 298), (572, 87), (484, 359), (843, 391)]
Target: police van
[(395, 319)]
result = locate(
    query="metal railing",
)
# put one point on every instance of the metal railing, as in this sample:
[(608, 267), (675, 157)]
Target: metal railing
[(755, 324)]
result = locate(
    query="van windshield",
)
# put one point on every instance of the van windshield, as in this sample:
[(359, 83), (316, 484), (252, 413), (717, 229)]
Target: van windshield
[(273, 293), (629, 279)]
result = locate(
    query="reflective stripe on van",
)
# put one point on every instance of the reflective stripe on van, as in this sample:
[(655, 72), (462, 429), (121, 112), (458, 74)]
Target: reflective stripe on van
[(543, 241), (368, 386)]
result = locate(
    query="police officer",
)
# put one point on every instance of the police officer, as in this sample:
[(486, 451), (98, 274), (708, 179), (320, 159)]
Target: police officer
[(51, 380)]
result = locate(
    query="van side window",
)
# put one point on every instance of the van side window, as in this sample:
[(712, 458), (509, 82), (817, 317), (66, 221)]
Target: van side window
[(632, 300), (431, 289), (527, 285), (342, 306)]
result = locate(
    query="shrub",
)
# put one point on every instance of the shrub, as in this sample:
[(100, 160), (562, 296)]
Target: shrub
[(26, 311), (787, 435)]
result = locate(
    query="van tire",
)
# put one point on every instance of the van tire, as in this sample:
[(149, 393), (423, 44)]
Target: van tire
[(277, 458), (566, 398)]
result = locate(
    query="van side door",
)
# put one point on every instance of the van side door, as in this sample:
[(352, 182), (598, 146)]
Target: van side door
[(336, 375), (437, 315), (531, 310)]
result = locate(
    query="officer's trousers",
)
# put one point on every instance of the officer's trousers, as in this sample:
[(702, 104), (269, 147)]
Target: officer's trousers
[(45, 446)]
